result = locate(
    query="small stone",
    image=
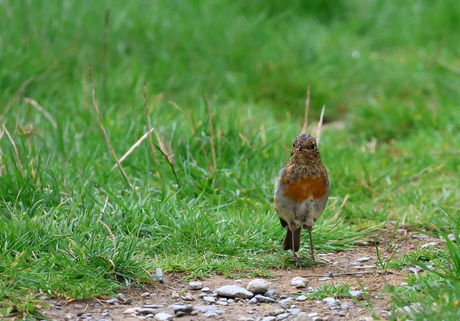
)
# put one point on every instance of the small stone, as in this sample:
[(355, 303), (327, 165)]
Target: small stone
[(302, 316), (285, 303), (419, 236), (210, 299), (324, 279), (234, 291), (159, 274), (282, 316), (163, 316), (357, 294), (428, 244), (276, 312), (264, 299), (230, 301), (253, 301), (179, 314), (195, 285), (415, 270), (284, 296), (131, 310), (299, 282), (330, 301), (270, 318), (112, 301), (188, 297), (238, 281), (222, 303), (294, 311), (210, 314), (44, 297), (154, 306), (363, 259), (258, 286), (205, 308), (366, 319), (301, 298), (121, 296), (105, 313), (220, 312), (404, 284), (344, 306), (182, 307), (175, 295), (451, 237), (145, 294), (205, 289), (147, 311), (270, 293), (127, 301), (68, 317)]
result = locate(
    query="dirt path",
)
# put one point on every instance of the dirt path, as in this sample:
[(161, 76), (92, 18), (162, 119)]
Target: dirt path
[(346, 267)]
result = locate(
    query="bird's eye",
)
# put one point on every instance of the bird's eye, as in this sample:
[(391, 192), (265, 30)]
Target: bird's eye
[(312, 147), (293, 144)]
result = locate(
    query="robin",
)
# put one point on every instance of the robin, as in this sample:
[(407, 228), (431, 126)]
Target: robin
[(301, 192)]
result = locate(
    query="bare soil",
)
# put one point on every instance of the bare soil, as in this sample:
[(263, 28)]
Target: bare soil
[(342, 265)]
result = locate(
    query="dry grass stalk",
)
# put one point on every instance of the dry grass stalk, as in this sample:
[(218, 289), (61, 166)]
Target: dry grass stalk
[(104, 59), (42, 110), (320, 123), (135, 145), (213, 148), (165, 150), (244, 139), (263, 135), (101, 126), (112, 237), (307, 108), (147, 120), (15, 149), (16, 95), (336, 215), (207, 160)]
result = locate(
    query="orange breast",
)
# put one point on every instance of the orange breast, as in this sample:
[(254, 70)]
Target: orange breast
[(299, 192)]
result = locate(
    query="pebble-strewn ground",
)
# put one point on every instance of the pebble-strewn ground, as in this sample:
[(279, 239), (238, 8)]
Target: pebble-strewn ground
[(278, 298)]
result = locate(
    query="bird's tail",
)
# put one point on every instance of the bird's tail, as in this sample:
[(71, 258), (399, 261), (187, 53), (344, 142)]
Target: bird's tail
[(287, 244)]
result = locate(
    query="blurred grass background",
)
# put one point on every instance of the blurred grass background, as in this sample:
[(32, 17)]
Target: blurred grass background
[(388, 71)]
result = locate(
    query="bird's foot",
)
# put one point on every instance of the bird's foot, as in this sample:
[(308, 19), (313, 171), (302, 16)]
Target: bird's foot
[(295, 257)]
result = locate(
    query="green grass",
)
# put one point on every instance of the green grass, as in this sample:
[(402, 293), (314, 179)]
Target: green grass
[(436, 291), (336, 290), (387, 70)]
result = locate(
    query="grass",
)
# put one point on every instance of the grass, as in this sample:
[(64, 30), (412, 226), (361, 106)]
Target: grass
[(72, 227), (336, 290), (436, 291)]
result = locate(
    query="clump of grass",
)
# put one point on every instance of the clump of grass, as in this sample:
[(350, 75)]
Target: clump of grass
[(337, 290), (435, 293)]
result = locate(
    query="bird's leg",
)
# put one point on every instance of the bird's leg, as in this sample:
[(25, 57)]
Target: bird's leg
[(309, 228), (294, 255)]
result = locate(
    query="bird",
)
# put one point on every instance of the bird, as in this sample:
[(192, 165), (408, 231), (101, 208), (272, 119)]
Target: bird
[(301, 192)]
